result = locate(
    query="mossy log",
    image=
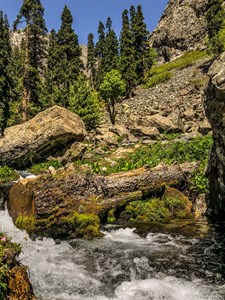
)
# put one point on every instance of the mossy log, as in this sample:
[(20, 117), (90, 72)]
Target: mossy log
[(49, 199)]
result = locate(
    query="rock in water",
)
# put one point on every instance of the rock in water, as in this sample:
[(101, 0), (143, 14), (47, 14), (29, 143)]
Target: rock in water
[(170, 39), (50, 132), (215, 112)]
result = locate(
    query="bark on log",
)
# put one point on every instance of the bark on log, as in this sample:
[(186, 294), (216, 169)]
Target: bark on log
[(49, 199)]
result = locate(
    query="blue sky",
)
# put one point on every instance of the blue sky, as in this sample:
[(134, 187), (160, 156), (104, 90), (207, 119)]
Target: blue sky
[(88, 13)]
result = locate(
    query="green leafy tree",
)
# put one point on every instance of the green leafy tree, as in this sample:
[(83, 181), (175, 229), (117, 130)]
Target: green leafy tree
[(127, 55), (69, 64), (91, 60), (5, 80), (111, 52), (32, 13), (215, 17), (111, 89), (83, 100)]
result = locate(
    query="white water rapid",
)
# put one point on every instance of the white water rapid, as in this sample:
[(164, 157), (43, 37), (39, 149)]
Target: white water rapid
[(121, 266)]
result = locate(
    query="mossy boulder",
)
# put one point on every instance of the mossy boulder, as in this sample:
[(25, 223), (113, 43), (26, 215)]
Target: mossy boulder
[(173, 204)]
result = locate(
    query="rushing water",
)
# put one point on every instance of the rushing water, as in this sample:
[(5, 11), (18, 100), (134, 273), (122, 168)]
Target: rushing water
[(124, 265)]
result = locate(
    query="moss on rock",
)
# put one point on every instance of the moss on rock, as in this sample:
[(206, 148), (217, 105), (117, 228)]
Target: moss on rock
[(173, 204)]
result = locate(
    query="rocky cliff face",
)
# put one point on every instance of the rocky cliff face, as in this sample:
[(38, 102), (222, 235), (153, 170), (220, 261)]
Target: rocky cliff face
[(181, 28), (215, 112)]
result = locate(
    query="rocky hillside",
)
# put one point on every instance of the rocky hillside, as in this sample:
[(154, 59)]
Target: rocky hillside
[(175, 105), (182, 27)]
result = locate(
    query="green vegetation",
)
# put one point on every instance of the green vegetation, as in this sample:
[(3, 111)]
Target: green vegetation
[(111, 89), (173, 152), (83, 100), (159, 74), (42, 167), (8, 253), (8, 174), (73, 225), (156, 210), (215, 17)]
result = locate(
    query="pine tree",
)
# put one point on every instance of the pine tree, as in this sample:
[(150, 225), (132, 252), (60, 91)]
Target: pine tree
[(5, 81), (215, 17), (91, 60), (99, 54), (32, 12), (127, 55), (69, 63), (110, 57), (16, 74), (140, 40), (49, 94), (84, 101)]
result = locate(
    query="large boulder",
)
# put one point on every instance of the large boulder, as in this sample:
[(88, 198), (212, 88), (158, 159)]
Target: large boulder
[(181, 28), (50, 132), (215, 112)]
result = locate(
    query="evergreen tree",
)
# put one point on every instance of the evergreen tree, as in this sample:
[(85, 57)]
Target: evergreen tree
[(5, 81), (215, 17), (83, 100), (91, 60), (110, 57), (49, 91), (140, 40), (127, 55), (69, 63), (16, 74), (32, 13), (99, 54)]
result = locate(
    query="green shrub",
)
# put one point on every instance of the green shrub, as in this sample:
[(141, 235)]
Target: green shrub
[(7, 173), (42, 167), (157, 79)]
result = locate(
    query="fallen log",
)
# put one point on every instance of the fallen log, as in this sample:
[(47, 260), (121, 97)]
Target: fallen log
[(52, 198)]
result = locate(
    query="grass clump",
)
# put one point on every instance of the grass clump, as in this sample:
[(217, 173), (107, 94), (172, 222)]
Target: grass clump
[(159, 74), (42, 167), (158, 78), (7, 174)]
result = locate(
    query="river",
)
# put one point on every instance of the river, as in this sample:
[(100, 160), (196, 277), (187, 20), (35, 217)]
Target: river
[(123, 265)]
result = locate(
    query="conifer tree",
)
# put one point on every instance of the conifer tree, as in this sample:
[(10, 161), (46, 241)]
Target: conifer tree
[(127, 55), (215, 17), (69, 63), (32, 12), (5, 81), (91, 60), (110, 57), (140, 40), (49, 92), (99, 54), (83, 100)]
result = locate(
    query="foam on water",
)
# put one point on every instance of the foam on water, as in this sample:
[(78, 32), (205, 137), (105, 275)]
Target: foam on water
[(120, 266)]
